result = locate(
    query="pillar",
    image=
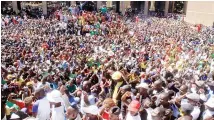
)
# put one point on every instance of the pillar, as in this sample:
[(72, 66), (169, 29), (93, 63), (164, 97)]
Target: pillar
[(152, 6), (166, 8), (173, 6), (15, 6), (124, 5), (146, 5), (109, 4), (44, 7), (185, 7), (99, 4)]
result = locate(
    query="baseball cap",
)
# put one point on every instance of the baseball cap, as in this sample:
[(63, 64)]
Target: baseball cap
[(193, 96), (92, 109), (143, 85), (134, 106)]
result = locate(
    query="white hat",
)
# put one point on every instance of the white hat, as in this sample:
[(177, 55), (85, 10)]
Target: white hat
[(14, 116), (143, 85), (54, 96), (210, 102), (92, 109)]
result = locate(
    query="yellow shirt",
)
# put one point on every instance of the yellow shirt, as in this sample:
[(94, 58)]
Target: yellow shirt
[(143, 65), (19, 81), (116, 88)]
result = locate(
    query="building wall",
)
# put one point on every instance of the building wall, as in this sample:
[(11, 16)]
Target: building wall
[(200, 12)]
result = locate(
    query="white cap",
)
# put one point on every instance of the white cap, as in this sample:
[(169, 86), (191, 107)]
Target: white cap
[(143, 85), (92, 109)]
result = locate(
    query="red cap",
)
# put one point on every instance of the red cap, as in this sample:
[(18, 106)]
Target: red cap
[(134, 106)]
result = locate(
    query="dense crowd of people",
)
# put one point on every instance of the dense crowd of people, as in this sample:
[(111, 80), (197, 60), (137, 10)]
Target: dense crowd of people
[(81, 65)]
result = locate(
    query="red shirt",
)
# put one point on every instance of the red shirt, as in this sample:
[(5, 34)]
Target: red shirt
[(21, 105), (105, 116)]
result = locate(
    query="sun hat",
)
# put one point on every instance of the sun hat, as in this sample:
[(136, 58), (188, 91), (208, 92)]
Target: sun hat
[(54, 96), (143, 85), (193, 96), (134, 106), (116, 75), (92, 109)]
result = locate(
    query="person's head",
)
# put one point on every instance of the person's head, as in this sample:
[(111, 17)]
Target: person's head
[(193, 98), (28, 101), (62, 89), (183, 89), (71, 112), (164, 98), (91, 112), (187, 108), (114, 113), (108, 103), (143, 88), (86, 85), (40, 93), (158, 113), (134, 107), (157, 85)]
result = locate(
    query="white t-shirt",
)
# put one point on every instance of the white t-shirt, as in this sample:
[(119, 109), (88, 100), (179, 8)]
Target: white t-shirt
[(130, 117), (195, 113), (43, 109), (58, 113)]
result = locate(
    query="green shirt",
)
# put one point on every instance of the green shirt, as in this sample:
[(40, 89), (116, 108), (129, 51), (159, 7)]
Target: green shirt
[(72, 88), (103, 9), (92, 32)]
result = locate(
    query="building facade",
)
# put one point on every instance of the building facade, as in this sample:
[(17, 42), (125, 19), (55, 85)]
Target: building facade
[(197, 12)]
